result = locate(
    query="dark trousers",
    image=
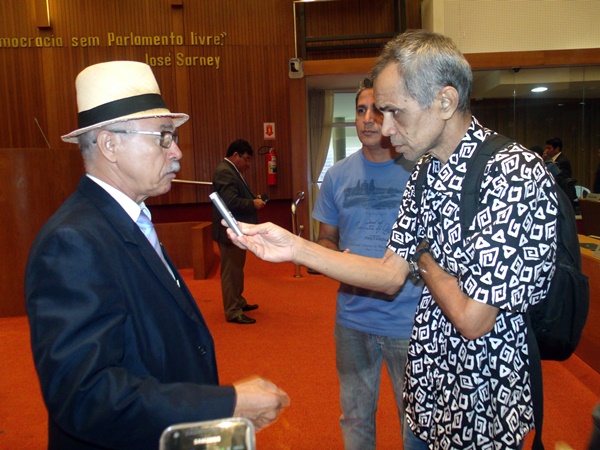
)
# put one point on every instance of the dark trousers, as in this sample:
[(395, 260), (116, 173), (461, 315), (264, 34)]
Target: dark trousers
[(233, 260)]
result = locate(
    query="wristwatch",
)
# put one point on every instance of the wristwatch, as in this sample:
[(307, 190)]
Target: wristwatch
[(413, 264), (414, 269)]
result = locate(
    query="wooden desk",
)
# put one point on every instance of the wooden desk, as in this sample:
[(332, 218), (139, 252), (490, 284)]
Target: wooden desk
[(590, 216), (203, 252), (189, 244), (589, 345)]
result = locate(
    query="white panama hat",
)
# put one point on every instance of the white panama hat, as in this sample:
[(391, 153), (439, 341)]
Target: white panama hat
[(118, 91)]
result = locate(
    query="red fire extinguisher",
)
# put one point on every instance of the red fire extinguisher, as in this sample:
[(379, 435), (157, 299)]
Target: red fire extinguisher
[(271, 167)]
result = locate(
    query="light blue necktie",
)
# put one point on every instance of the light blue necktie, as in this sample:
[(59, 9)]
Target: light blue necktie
[(147, 227)]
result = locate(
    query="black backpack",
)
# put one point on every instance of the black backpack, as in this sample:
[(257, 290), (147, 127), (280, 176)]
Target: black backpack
[(558, 320)]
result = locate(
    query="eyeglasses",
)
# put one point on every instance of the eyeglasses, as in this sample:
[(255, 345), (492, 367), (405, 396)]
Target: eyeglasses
[(166, 137)]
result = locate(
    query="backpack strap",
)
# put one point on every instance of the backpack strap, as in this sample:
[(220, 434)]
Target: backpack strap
[(537, 386), (469, 200), (469, 204)]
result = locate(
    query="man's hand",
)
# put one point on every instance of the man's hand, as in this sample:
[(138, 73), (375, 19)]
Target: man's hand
[(471, 318), (259, 400), (259, 203), (266, 240), (275, 244)]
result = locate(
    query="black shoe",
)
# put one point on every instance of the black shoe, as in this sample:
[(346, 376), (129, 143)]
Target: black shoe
[(242, 319), (249, 307)]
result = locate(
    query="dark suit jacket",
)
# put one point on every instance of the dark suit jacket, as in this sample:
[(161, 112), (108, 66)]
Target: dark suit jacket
[(121, 351), (237, 196), (564, 165)]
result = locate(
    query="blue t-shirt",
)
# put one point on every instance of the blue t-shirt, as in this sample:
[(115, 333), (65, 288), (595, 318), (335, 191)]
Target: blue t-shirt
[(361, 198)]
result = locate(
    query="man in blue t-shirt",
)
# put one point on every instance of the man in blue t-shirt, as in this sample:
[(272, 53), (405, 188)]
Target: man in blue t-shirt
[(356, 207)]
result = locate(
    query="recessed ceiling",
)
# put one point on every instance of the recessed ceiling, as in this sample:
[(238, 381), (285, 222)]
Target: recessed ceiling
[(568, 82), (574, 82)]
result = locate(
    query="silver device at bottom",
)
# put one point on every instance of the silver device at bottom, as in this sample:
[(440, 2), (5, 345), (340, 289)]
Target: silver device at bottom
[(235, 433)]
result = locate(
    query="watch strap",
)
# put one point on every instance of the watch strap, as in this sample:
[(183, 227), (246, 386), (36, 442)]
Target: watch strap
[(420, 253)]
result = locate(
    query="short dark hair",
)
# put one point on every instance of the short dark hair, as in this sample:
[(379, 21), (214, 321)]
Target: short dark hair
[(555, 142), (367, 83), (241, 147)]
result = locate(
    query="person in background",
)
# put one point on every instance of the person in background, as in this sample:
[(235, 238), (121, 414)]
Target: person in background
[(120, 347), (229, 183), (357, 204), (553, 151), (550, 165), (468, 376)]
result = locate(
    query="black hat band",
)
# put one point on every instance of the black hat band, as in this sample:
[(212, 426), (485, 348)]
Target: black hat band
[(120, 108)]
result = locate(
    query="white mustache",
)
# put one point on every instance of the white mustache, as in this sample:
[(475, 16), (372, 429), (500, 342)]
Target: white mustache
[(175, 166)]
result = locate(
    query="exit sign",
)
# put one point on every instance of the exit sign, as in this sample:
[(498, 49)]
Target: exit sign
[(269, 131)]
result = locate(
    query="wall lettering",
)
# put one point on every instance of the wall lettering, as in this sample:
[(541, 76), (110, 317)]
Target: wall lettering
[(134, 40), (182, 60)]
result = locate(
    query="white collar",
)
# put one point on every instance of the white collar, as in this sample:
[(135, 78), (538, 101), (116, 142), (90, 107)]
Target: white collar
[(132, 208)]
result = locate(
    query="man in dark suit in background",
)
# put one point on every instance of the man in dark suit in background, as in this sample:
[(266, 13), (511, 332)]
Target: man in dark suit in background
[(229, 183), (121, 349), (554, 152)]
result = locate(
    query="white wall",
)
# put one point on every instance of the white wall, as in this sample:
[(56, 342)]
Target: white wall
[(487, 26)]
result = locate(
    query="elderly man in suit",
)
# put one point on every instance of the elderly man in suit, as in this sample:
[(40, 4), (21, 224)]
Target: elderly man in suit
[(229, 183), (121, 349)]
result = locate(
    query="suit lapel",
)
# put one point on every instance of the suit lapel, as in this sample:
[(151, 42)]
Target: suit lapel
[(130, 232), (180, 291), (241, 180)]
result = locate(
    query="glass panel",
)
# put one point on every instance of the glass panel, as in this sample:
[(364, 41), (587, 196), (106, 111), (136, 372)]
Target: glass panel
[(339, 148), (344, 106), (570, 109), (344, 140)]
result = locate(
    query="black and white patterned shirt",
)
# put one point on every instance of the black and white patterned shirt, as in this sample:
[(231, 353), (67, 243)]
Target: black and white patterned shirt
[(476, 394)]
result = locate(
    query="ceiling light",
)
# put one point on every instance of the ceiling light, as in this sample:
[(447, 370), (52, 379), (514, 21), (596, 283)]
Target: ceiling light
[(539, 89)]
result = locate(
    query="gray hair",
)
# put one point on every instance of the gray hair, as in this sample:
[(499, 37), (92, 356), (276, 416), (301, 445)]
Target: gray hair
[(427, 62), (87, 144), (88, 141)]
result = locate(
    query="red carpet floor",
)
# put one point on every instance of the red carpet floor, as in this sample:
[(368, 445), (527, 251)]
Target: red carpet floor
[(291, 344)]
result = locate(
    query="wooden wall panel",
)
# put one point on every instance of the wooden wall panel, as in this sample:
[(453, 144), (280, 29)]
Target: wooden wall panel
[(250, 86), (34, 183), (359, 17), (353, 18), (247, 99)]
